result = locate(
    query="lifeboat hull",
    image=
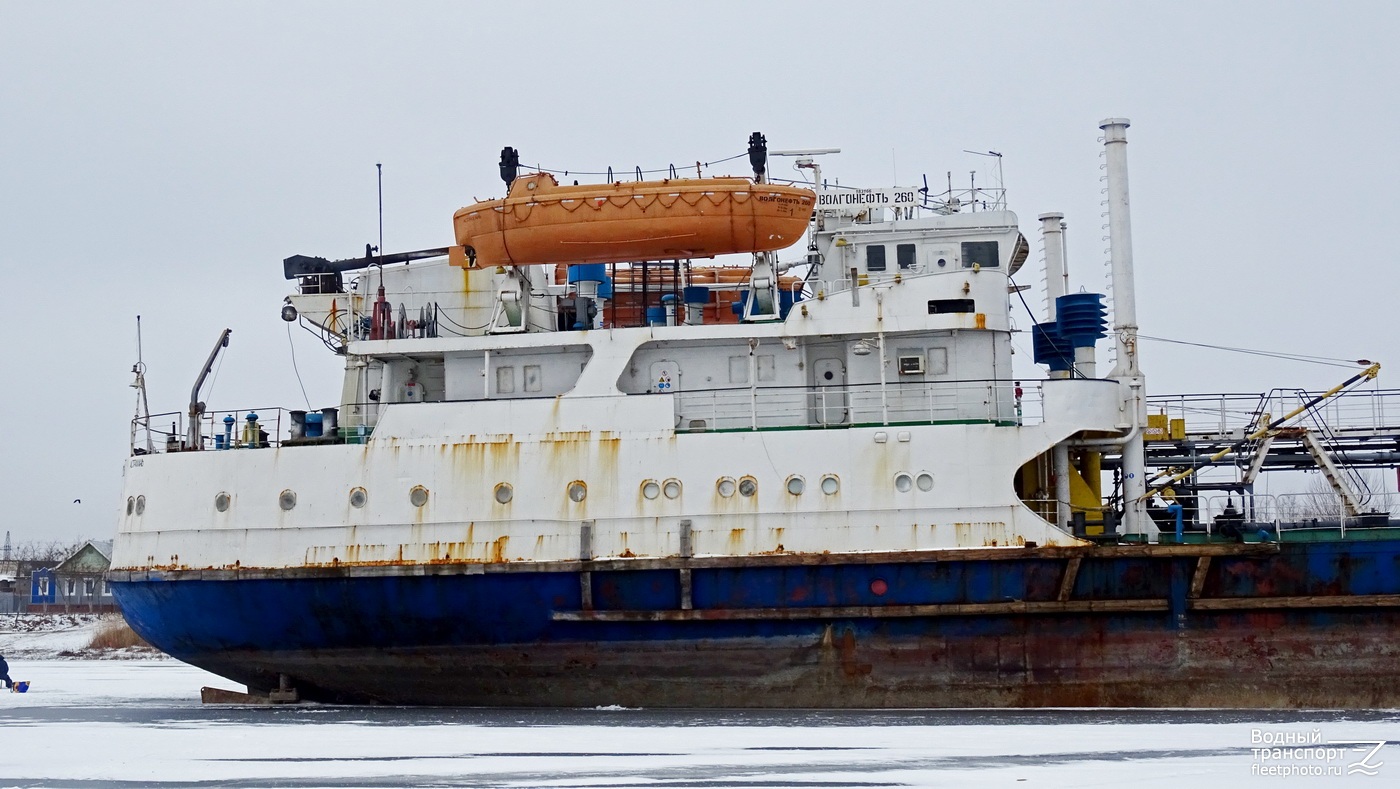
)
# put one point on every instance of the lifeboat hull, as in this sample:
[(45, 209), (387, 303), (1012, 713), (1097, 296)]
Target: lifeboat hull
[(542, 222)]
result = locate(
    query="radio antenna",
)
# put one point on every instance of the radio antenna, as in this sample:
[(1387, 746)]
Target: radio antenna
[(379, 173)]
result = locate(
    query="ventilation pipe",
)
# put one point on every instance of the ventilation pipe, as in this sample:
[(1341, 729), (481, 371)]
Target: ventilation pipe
[(1052, 235), (1126, 371)]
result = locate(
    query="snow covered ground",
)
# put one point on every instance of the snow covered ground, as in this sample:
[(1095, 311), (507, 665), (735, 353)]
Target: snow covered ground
[(140, 723), (40, 636)]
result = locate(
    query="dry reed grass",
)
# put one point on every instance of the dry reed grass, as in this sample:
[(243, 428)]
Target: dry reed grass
[(115, 633)]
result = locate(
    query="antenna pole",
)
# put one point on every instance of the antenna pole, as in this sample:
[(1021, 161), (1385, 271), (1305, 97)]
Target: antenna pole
[(379, 175)]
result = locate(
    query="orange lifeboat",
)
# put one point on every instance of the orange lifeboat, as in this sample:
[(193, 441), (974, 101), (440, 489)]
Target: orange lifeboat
[(543, 222)]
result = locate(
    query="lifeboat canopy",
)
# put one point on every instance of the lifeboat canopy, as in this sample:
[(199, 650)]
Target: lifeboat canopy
[(540, 221)]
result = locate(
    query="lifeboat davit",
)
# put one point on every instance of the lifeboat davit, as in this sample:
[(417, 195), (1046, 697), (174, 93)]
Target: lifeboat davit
[(540, 221)]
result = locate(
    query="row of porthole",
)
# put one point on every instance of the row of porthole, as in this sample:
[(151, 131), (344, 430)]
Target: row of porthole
[(795, 484), (905, 482), (578, 491), (671, 488)]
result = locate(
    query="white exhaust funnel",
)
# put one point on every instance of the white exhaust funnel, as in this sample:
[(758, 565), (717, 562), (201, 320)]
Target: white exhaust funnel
[(1126, 369)]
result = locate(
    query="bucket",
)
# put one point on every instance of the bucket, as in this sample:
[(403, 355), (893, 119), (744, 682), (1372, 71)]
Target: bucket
[(21, 687), (313, 425)]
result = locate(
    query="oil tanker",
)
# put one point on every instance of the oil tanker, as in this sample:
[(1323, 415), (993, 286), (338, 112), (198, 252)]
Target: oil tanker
[(573, 463)]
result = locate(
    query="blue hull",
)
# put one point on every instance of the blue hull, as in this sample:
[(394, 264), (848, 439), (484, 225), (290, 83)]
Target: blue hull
[(1306, 624)]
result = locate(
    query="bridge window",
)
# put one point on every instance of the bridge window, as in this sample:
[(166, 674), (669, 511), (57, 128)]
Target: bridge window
[(875, 257), (904, 253), (981, 253)]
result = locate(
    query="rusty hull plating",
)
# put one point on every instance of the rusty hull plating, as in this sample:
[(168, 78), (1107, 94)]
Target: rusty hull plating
[(1262, 625)]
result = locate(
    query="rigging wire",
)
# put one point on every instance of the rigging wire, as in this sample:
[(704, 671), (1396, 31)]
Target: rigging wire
[(293, 348), (218, 365), (1295, 357), (667, 169), (1329, 361)]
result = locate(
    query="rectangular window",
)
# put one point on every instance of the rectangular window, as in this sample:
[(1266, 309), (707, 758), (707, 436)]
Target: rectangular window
[(90, 586), (982, 253), (937, 361), (944, 306), (738, 369), (72, 587), (532, 378), (875, 257), (767, 369), (43, 587), (106, 587), (505, 380), (904, 253)]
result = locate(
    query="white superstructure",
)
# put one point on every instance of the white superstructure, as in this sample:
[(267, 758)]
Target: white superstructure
[(881, 413)]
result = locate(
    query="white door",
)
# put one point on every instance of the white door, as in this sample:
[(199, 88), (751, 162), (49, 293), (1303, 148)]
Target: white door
[(665, 377), (829, 401)]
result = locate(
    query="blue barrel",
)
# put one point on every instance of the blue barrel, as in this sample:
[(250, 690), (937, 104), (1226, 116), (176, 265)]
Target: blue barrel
[(588, 272), (656, 316), (313, 425)]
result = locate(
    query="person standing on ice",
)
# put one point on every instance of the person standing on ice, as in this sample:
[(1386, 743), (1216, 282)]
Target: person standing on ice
[(5, 673)]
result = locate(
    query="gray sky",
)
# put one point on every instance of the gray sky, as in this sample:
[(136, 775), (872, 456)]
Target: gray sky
[(162, 158)]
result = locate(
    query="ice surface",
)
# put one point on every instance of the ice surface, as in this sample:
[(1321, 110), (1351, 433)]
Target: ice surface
[(140, 723)]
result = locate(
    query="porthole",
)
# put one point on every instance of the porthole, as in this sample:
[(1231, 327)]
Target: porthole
[(748, 486), (130, 505), (418, 496), (359, 497), (650, 489), (221, 501), (903, 483), (504, 493), (942, 262), (140, 504), (672, 488), (924, 481), (725, 487), (795, 485), (287, 499), (830, 485), (578, 491)]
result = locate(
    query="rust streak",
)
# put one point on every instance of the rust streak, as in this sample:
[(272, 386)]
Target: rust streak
[(1198, 578)]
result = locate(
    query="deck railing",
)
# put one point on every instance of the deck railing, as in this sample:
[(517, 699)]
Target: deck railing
[(1358, 412), (1308, 510), (168, 432), (759, 408)]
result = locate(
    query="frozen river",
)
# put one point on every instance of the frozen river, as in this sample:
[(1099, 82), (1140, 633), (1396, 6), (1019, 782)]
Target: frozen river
[(140, 723)]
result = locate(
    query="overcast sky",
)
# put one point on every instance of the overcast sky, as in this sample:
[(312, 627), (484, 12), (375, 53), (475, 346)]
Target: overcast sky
[(162, 158)]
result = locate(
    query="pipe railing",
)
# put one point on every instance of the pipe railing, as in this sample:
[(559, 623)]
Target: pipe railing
[(1355, 411), (262, 432), (745, 408)]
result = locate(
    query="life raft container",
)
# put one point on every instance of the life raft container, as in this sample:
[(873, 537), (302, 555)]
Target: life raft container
[(542, 222)]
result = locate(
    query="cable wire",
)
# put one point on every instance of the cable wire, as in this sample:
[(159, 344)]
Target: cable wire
[(1295, 357), (666, 169), (293, 348)]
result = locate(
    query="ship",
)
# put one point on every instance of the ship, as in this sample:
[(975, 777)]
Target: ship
[(578, 459)]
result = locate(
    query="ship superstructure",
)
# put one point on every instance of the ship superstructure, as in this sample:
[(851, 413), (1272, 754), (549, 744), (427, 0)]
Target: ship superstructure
[(575, 463)]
